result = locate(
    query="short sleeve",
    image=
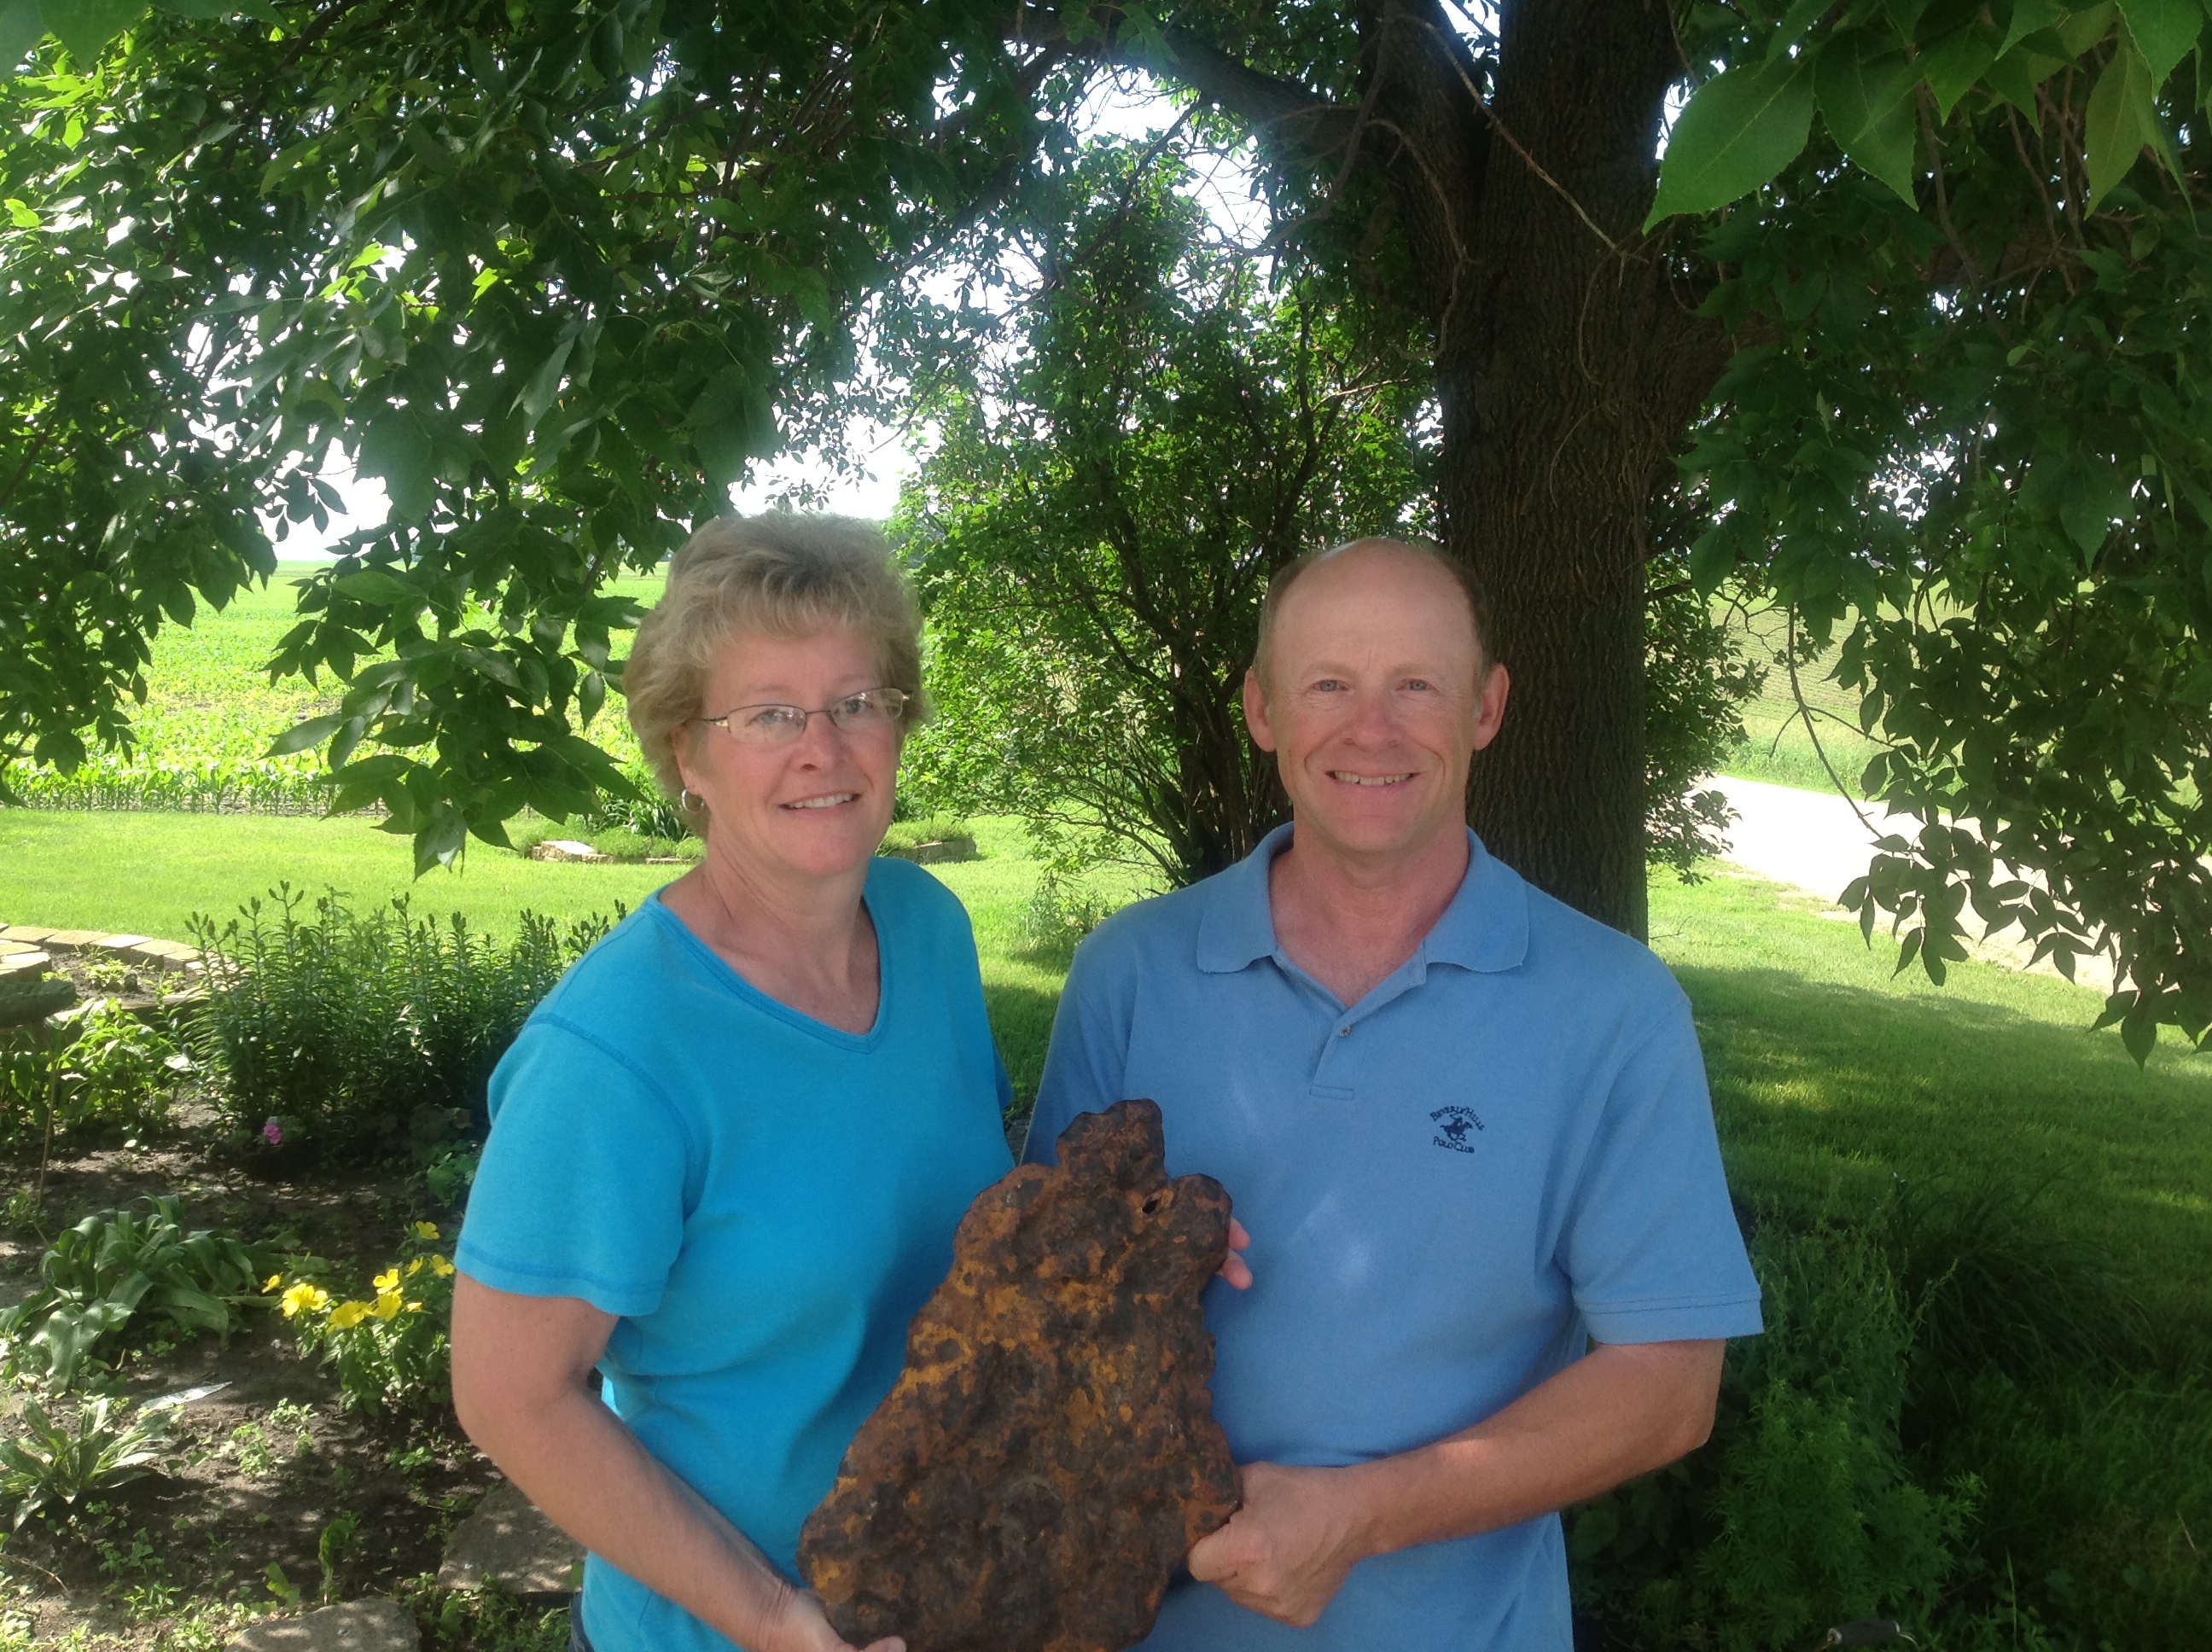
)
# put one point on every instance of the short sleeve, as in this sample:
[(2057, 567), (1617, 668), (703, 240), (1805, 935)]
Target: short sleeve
[(1089, 1050), (581, 1190), (1652, 1244)]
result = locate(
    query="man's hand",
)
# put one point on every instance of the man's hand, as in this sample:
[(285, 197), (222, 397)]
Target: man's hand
[(1289, 1549), (1233, 1268)]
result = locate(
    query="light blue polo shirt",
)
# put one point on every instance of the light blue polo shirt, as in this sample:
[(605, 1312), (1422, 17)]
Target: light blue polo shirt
[(764, 1200), (1503, 1150)]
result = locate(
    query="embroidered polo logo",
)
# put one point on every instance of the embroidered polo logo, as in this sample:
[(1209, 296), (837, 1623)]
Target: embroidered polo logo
[(1453, 1123)]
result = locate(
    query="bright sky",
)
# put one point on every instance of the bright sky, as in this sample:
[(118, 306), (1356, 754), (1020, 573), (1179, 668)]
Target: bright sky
[(1125, 108)]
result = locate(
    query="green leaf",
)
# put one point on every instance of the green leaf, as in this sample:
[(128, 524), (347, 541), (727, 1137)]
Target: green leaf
[(205, 10), (1952, 65), (2164, 32), (439, 838), (302, 736), (375, 585), (85, 26), (1740, 129), (395, 449), (2139, 1030), (2029, 17), (2121, 119), (544, 384), (2080, 30), (1863, 93), (1801, 16), (2016, 76), (22, 25)]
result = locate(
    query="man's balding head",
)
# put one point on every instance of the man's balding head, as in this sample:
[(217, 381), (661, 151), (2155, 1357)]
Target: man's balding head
[(1428, 551)]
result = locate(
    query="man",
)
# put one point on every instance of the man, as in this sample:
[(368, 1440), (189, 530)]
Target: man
[(1468, 1132)]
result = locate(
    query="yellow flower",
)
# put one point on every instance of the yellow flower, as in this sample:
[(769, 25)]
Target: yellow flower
[(414, 1307), (426, 1230), (387, 1304), (304, 1298), (387, 1280), (272, 1282), (417, 1265), (347, 1315), (442, 1267)]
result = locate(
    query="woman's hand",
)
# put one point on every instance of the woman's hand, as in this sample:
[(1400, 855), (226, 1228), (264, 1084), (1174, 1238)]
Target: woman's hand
[(799, 1625), (1233, 1268)]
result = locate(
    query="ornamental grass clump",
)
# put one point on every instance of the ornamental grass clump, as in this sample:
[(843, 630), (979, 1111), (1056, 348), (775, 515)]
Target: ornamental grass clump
[(389, 1348), (375, 1032)]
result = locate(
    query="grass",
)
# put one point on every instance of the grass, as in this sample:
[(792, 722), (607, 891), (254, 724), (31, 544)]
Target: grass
[(1833, 1077)]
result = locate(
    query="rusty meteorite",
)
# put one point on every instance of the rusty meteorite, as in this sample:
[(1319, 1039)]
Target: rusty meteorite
[(1049, 1454)]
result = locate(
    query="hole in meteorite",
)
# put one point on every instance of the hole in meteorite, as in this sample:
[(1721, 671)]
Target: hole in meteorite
[(1153, 1203)]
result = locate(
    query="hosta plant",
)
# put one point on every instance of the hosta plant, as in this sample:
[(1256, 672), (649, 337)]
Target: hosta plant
[(120, 1264)]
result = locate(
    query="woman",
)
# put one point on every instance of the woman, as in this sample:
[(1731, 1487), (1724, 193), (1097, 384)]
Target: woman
[(729, 1149)]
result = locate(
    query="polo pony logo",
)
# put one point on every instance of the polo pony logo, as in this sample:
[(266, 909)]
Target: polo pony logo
[(1455, 1122)]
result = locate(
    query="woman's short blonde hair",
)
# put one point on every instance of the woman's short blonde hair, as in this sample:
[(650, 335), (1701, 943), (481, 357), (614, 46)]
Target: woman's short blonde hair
[(781, 574)]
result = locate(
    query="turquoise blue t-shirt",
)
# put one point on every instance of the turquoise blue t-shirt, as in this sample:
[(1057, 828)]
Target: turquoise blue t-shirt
[(1504, 1150), (763, 1199)]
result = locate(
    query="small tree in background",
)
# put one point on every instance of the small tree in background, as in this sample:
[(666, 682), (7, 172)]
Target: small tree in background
[(1166, 422)]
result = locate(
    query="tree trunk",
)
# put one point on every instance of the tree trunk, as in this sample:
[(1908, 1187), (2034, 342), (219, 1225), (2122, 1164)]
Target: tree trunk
[(1567, 364), (1567, 368)]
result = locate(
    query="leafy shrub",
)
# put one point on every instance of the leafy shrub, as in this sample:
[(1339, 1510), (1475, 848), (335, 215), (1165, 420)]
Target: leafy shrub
[(374, 1031), (649, 814), (46, 1462), (1060, 914), (116, 1266), (106, 1073), (1803, 1510), (389, 1350)]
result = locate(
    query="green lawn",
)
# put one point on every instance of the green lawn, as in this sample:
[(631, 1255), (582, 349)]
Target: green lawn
[(1832, 1076)]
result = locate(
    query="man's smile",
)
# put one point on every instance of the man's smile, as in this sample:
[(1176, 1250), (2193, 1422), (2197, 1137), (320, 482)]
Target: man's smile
[(1351, 778)]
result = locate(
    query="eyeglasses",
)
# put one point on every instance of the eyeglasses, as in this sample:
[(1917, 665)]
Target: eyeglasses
[(871, 711)]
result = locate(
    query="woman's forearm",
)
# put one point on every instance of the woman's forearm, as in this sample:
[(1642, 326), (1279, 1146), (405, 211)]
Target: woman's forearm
[(587, 1472), (525, 1391)]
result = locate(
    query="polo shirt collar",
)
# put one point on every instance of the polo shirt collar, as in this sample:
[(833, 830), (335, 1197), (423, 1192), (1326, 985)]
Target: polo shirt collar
[(1486, 927)]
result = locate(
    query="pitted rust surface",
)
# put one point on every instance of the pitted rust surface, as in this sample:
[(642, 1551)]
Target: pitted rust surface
[(1049, 1454)]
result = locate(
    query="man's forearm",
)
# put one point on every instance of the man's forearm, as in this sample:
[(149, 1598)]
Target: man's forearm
[(1620, 1411)]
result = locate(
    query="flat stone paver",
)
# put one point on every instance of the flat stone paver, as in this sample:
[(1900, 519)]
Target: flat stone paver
[(508, 1542), (371, 1623)]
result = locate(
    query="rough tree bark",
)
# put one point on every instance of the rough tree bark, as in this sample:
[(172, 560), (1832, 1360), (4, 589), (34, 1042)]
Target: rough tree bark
[(1567, 367)]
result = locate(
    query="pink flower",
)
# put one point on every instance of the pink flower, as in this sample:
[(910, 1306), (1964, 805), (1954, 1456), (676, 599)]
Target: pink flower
[(272, 1133)]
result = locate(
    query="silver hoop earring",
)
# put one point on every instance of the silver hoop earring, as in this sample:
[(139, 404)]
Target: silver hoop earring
[(684, 800)]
